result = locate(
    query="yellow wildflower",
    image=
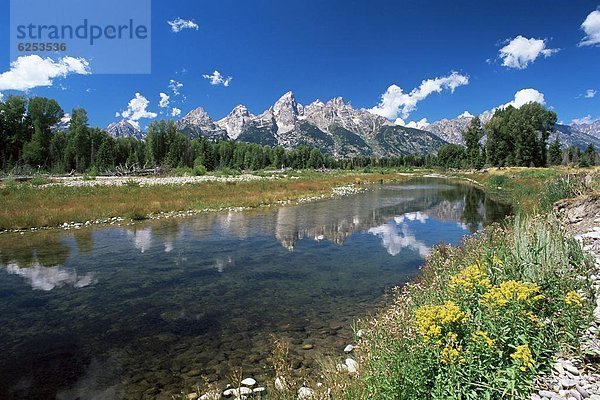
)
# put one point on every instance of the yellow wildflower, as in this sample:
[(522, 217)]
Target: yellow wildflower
[(533, 318), (482, 336), (573, 299), (431, 319), (497, 261), (469, 278), (523, 292), (451, 355), (523, 357)]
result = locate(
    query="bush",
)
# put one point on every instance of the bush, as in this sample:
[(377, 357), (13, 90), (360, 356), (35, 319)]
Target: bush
[(199, 170), (483, 320), (39, 180)]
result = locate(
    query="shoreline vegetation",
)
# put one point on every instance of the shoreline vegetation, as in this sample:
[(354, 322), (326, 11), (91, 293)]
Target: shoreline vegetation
[(494, 318)]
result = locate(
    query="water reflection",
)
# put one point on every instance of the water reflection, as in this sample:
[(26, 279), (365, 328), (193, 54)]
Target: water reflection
[(157, 304)]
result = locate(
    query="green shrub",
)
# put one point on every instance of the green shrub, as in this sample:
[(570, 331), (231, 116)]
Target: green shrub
[(39, 180), (498, 181), (483, 320), (199, 170)]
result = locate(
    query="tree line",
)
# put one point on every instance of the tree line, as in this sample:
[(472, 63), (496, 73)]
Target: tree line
[(28, 138), (514, 137)]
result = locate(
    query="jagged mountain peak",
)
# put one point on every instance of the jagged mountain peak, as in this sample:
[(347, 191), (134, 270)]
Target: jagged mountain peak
[(123, 128), (236, 121)]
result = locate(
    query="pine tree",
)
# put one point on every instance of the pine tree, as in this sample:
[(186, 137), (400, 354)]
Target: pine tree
[(555, 153)]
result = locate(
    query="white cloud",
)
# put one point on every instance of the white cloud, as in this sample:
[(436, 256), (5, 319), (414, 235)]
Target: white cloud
[(584, 120), (175, 87), (217, 79), (591, 27), (520, 51), (1, 97), (466, 114), (175, 112), (395, 102), (136, 110), (164, 100), (525, 96), (178, 24), (590, 94), (28, 72), (521, 98), (420, 124)]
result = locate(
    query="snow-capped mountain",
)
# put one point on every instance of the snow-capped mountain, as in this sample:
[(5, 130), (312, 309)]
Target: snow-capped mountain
[(198, 123), (335, 127), (125, 129), (238, 120), (590, 128)]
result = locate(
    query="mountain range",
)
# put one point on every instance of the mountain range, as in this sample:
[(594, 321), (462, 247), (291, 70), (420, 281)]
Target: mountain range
[(337, 129)]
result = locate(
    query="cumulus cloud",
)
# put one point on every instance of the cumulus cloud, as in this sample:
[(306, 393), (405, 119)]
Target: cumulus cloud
[(591, 27), (590, 94), (420, 124), (179, 24), (520, 51), (217, 79), (395, 102), (525, 96), (584, 120), (136, 110), (466, 114), (164, 100), (175, 112), (521, 98), (175, 87), (28, 72)]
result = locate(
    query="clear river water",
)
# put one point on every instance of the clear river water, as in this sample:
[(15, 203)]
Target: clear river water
[(146, 310)]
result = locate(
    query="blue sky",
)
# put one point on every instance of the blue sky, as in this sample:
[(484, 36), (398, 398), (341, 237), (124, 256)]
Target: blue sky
[(354, 49)]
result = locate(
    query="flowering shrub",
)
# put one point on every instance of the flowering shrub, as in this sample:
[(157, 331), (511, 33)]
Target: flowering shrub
[(482, 321)]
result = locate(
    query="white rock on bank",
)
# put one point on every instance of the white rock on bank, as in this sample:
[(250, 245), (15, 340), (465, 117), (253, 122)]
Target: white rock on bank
[(249, 382), (348, 349), (352, 366), (305, 393), (280, 384)]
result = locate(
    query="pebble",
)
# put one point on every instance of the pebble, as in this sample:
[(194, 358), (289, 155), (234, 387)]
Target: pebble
[(348, 349), (305, 393), (352, 366), (307, 346), (248, 382)]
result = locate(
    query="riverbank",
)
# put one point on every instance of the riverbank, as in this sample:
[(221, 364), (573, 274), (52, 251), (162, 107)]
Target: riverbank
[(74, 203)]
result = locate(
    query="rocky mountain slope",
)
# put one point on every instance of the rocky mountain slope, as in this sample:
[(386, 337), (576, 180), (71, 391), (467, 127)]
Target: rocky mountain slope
[(590, 128), (124, 128), (335, 127)]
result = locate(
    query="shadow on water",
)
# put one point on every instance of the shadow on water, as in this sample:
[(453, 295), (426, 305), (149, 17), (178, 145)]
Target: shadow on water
[(142, 311)]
